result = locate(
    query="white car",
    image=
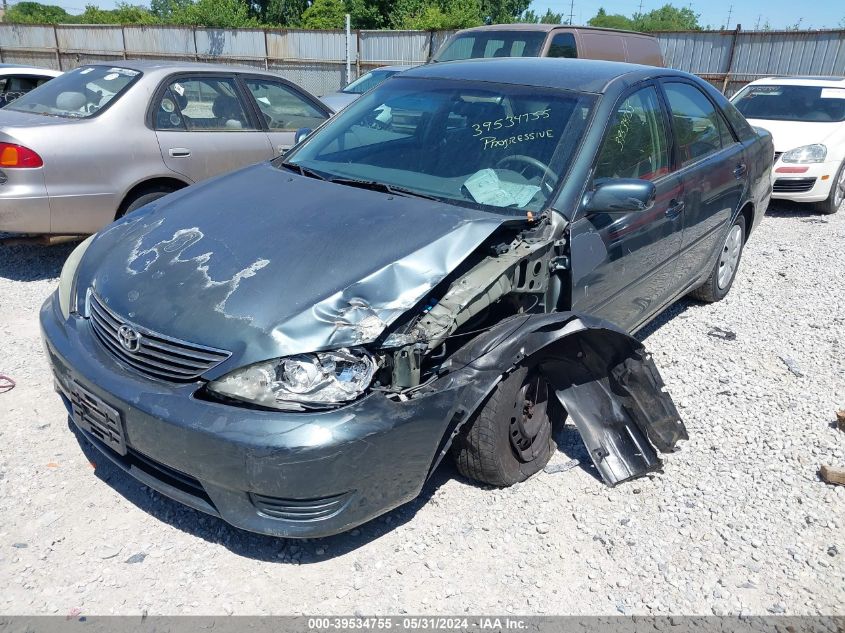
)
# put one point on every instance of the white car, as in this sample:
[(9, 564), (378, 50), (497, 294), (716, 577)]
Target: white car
[(806, 117), (16, 80)]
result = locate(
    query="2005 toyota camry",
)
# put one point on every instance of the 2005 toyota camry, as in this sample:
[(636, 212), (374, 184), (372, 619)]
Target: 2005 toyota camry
[(452, 264)]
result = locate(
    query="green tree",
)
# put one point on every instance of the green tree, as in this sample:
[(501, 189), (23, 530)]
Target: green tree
[(163, 10), (503, 11), (123, 13), (667, 18), (370, 14), (214, 14), (435, 14), (325, 14), (36, 13), (531, 17), (282, 12), (611, 21)]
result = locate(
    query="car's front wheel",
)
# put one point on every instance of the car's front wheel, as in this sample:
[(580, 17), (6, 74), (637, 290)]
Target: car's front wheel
[(722, 276), (510, 439), (837, 193)]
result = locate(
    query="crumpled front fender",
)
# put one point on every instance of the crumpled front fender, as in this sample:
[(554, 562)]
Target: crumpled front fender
[(604, 378)]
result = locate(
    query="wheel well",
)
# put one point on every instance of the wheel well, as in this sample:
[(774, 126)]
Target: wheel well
[(748, 213), (149, 186)]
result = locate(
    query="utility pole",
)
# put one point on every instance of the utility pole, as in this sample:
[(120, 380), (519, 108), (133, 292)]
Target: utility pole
[(757, 23), (571, 11), (728, 23)]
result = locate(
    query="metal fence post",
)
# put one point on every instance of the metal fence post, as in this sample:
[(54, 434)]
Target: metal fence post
[(731, 58), (348, 49), (58, 53)]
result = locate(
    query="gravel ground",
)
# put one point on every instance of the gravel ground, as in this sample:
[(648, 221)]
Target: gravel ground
[(738, 523)]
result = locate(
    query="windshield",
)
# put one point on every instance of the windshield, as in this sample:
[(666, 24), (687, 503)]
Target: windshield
[(368, 81), (492, 44), (474, 143), (77, 94), (792, 103)]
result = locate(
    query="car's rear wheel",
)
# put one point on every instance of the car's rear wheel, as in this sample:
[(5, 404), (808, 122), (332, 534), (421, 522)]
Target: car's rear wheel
[(138, 200), (722, 276), (510, 439), (837, 193)]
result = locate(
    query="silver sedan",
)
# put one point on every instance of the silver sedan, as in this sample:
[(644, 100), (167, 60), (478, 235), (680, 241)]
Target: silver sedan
[(105, 139)]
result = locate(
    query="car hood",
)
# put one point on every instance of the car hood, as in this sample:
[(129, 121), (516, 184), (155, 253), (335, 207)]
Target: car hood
[(266, 263), (788, 135)]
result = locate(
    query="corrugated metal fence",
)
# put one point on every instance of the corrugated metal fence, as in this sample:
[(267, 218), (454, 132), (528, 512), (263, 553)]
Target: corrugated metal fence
[(730, 59), (317, 59)]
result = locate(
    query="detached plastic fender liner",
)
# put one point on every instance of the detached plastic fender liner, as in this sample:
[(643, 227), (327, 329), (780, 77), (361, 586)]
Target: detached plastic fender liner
[(603, 377)]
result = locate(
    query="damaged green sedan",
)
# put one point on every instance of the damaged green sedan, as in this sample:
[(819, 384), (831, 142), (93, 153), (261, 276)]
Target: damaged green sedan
[(453, 264)]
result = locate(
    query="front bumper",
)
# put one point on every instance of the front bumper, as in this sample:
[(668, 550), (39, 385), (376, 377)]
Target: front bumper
[(24, 205), (812, 185), (283, 474)]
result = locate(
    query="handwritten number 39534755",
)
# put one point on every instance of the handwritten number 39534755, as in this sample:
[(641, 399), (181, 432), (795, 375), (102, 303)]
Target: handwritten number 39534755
[(509, 121)]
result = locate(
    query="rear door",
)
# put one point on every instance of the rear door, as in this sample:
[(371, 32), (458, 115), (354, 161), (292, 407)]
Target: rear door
[(713, 172), (623, 264), (284, 108), (205, 126)]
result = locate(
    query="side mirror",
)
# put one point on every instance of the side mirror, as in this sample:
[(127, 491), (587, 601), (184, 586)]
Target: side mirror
[(301, 133), (620, 195)]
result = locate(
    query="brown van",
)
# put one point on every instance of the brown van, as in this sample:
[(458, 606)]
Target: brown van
[(551, 40)]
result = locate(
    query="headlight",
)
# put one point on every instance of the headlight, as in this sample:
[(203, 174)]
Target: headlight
[(305, 381), (806, 154), (67, 280)]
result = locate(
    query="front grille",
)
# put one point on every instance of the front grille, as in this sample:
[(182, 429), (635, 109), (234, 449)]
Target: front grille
[(156, 355), (300, 509), (793, 185)]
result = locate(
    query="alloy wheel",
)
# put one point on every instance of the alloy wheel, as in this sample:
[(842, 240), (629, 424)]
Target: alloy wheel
[(729, 258)]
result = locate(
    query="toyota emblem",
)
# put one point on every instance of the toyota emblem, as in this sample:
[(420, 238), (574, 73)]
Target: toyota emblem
[(129, 338)]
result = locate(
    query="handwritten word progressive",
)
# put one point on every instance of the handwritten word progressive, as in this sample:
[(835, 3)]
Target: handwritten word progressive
[(491, 142)]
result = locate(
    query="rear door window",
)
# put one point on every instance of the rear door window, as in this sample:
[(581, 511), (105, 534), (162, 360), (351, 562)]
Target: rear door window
[(202, 104), (699, 128), (563, 45)]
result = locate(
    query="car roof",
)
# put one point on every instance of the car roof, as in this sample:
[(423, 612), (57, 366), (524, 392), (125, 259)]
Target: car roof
[(159, 67), (585, 75), (836, 82), (544, 28)]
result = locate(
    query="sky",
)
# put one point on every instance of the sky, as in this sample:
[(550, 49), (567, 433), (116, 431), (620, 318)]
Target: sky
[(818, 14)]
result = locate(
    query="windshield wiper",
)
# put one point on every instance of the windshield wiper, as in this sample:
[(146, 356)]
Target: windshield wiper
[(304, 171), (382, 186)]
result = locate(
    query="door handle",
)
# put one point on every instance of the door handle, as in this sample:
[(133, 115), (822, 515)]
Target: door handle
[(676, 207), (179, 152), (740, 170), (282, 149)]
